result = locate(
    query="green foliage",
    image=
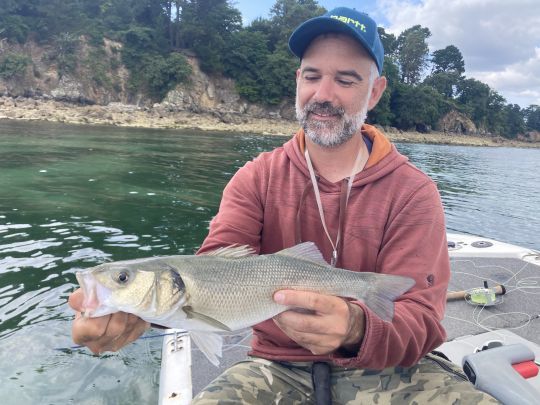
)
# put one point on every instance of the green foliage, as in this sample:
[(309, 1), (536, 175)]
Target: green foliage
[(473, 96), (514, 123), (532, 117), (159, 74), (446, 83), (417, 106), (389, 41), (413, 53), (65, 52), (261, 76), (14, 27), (278, 77), (382, 113), (207, 26), (286, 15), (13, 65), (98, 66), (256, 57), (448, 60)]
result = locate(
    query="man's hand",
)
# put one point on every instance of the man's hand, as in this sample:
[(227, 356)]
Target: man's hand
[(105, 333), (329, 322)]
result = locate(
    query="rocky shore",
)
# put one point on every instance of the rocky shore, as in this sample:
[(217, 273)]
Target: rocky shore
[(164, 116)]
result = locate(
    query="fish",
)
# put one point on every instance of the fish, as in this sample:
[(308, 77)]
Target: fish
[(227, 290)]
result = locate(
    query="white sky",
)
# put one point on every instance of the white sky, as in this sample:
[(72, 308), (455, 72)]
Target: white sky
[(499, 39)]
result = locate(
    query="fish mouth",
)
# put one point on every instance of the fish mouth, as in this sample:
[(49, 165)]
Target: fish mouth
[(96, 296)]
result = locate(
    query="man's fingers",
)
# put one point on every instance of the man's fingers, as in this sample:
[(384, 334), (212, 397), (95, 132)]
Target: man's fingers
[(85, 330), (325, 304), (76, 299), (109, 332)]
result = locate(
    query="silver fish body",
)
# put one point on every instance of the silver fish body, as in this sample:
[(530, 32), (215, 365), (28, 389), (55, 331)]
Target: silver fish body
[(230, 289)]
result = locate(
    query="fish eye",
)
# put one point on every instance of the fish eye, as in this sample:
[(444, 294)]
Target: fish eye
[(123, 277)]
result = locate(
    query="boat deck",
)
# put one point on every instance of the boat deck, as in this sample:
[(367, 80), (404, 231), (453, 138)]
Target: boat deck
[(473, 261), (518, 310)]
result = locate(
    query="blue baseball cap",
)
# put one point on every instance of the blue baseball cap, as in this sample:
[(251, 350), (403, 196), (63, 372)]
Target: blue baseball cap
[(341, 20)]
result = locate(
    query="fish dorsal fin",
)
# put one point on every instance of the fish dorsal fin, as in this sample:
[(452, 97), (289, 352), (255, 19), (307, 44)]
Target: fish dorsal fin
[(233, 252), (210, 344), (305, 251)]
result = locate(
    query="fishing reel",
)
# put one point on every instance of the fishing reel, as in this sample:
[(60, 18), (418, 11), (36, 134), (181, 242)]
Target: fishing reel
[(485, 296)]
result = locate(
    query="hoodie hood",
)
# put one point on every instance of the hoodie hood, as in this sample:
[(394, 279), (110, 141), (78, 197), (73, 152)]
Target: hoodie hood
[(383, 159)]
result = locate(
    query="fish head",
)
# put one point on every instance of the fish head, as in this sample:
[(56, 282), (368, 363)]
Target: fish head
[(148, 288)]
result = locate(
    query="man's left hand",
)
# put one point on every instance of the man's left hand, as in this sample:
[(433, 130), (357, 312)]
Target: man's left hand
[(326, 324)]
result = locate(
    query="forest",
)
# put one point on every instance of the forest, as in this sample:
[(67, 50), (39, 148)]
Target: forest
[(423, 86)]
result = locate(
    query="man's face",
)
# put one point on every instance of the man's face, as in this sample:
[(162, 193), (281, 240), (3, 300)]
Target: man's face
[(333, 89)]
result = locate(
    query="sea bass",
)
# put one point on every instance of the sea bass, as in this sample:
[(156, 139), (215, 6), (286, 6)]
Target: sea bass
[(226, 290)]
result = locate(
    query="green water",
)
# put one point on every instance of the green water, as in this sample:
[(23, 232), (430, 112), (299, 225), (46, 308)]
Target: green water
[(74, 196)]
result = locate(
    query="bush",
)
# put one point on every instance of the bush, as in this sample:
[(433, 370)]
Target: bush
[(163, 73), (13, 65), (65, 52)]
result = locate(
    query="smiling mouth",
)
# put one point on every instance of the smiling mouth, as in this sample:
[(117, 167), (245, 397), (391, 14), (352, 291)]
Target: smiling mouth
[(324, 116)]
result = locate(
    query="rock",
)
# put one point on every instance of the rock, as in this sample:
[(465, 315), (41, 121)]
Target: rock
[(458, 123), (423, 128)]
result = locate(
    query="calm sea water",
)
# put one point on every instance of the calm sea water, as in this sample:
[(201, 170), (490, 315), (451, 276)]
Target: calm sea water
[(73, 196)]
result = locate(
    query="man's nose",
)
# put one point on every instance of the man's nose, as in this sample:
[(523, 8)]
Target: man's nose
[(325, 90)]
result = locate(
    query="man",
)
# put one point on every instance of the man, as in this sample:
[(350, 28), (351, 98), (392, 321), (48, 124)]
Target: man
[(341, 184)]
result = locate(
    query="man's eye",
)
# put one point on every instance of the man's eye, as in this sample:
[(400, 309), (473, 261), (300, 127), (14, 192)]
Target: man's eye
[(345, 82), (311, 78)]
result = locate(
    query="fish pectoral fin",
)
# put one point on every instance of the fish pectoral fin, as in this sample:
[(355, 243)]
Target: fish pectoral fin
[(210, 344), (191, 314), (304, 251)]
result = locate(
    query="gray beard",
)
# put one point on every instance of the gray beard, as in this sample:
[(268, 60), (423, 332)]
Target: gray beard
[(326, 133)]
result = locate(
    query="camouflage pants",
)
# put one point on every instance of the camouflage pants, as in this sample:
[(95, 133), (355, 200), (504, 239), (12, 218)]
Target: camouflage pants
[(259, 381)]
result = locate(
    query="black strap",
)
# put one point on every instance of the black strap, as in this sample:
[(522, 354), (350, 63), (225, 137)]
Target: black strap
[(320, 376)]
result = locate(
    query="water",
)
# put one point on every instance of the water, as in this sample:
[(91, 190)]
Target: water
[(73, 196)]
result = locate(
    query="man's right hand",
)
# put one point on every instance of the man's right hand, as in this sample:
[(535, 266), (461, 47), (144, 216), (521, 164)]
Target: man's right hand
[(105, 333)]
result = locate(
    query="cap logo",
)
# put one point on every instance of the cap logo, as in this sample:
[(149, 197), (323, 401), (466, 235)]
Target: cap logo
[(348, 20)]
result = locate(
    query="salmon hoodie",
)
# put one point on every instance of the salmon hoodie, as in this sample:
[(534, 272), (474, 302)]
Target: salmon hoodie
[(393, 224)]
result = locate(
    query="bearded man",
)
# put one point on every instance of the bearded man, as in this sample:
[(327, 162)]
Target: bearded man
[(341, 184)]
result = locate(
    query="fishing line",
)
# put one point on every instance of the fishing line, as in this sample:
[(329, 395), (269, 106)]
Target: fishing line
[(227, 346), (140, 338)]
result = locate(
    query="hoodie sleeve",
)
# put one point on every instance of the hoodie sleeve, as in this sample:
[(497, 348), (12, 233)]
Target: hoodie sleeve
[(240, 216), (414, 245)]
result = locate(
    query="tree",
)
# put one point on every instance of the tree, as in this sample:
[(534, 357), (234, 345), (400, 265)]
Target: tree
[(446, 83), (417, 107), (532, 117), (389, 41), (473, 95), (285, 15), (207, 26), (382, 114), (514, 121), (413, 53), (496, 121), (448, 60), (244, 61)]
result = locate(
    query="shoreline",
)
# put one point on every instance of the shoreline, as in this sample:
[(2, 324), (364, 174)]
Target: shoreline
[(160, 117)]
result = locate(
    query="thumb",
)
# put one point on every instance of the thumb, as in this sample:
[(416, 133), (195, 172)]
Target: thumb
[(76, 299)]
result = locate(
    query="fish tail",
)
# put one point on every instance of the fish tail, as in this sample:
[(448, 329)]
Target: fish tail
[(384, 291)]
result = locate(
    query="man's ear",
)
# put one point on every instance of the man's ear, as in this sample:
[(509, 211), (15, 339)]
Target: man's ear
[(297, 74), (379, 85)]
